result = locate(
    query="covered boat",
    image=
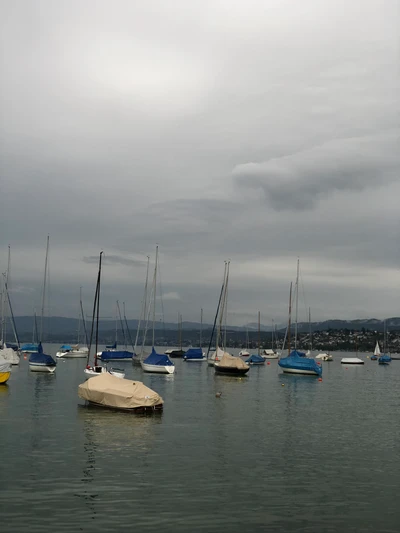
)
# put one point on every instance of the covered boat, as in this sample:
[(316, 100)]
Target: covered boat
[(29, 347), (123, 394), (255, 360), (270, 354), (228, 364), (5, 370), (10, 356), (296, 363), (67, 351), (194, 355), (384, 359), (41, 362), (324, 357), (215, 356), (115, 355), (158, 363)]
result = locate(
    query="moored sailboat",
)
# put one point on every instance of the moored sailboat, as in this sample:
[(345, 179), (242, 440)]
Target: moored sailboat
[(96, 369), (377, 352), (257, 359), (39, 361), (156, 363), (295, 362)]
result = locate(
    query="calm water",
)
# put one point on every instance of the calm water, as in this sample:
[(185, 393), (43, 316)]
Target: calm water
[(273, 453)]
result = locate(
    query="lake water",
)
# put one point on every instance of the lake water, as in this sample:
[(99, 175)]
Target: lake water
[(275, 453)]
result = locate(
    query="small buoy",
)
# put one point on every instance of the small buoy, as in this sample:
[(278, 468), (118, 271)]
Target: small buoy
[(346, 368), (25, 356), (319, 379), (318, 363), (218, 394), (282, 384), (268, 363)]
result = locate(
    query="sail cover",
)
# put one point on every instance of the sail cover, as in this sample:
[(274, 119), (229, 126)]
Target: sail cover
[(194, 353), (109, 355), (8, 354), (120, 393), (296, 361), (229, 361), (255, 359), (5, 366), (158, 359), (41, 359)]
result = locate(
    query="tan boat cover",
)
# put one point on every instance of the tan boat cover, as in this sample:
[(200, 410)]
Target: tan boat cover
[(110, 391), (230, 361)]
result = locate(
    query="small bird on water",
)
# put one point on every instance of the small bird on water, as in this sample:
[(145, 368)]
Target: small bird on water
[(218, 394)]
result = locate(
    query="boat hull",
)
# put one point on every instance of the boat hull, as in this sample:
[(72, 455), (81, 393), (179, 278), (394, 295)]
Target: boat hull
[(138, 410), (199, 360), (305, 372), (158, 369), (71, 355), (230, 371), (91, 372), (352, 361), (37, 367), (4, 377)]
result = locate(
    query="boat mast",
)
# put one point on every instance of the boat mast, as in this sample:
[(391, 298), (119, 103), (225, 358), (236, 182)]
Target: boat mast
[(122, 324), (201, 326), (96, 296), (225, 309), (216, 317), (44, 289), (309, 325), (259, 332), (290, 316), (2, 310), (297, 304), (98, 312), (144, 302), (83, 317), (154, 293)]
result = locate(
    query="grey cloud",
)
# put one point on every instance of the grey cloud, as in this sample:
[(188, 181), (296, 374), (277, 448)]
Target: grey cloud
[(299, 180)]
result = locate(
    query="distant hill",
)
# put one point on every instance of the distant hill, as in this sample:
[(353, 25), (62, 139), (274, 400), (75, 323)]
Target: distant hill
[(69, 326)]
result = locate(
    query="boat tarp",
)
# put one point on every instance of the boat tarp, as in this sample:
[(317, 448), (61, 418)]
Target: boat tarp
[(8, 355), (384, 358), (217, 355), (66, 347), (29, 346), (5, 366), (41, 359), (121, 393), (255, 359), (158, 359), (117, 354), (295, 360), (229, 361), (194, 353)]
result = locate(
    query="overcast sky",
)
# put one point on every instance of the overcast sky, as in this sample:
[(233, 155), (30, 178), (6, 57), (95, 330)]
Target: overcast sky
[(255, 131)]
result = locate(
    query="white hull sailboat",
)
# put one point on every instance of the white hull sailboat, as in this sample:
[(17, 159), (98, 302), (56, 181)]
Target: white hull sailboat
[(324, 357), (352, 361), (41, 367), (158, 369), (92, 371), (78, 353)]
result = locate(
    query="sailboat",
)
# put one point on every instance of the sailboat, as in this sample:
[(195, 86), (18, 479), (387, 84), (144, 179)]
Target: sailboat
[(95, 369), (179, 352), (295, 362), (245, 352), (9, 353), (257, 359), (385, 358), (377, 352), (196, 355), (30, 347), (227, 363), (114, 354), (136, 358), (5, 370), (39, 361), (156, 363), (352, 360), (68, 351)]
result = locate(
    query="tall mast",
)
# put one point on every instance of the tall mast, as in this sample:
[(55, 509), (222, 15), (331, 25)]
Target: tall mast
[(83, 317), (144, 301), (201, 326), (155, 292), (226, 304), (309, 325), (44, 289), (259, 332), (221, 308), (297, 304), (98, 310), (272, 335), (216, 318), (290, 317), (2, 308)]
